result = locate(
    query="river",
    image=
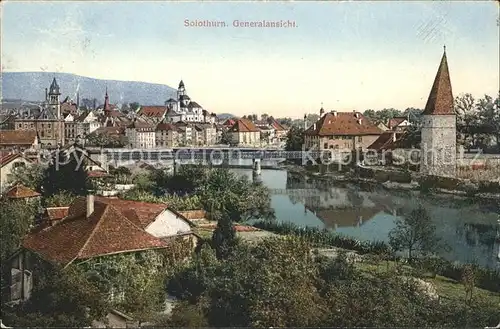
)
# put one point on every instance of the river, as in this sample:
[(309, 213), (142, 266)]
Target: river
[(469, 229)]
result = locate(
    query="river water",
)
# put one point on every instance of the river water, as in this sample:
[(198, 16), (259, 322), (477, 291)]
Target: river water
[(469, 229)]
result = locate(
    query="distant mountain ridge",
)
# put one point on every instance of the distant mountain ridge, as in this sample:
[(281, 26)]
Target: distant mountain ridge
[(31, 86)]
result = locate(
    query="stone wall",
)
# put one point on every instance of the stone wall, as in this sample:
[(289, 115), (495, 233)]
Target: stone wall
[(438, 145)]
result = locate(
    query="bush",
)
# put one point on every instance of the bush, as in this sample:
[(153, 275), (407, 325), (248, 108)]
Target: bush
[(324, 237)]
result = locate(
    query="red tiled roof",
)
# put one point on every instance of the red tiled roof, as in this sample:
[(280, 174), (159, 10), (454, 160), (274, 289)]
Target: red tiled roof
[(394, 122), (17, 137), (278, 126), (153, 111), (166, 126), (6, 157), (229, 122), (21, 192), (140, 213), (440, 101), (244, 125), (106, 231), (385, 141), (55, 213), (97, 174), (343, 123)]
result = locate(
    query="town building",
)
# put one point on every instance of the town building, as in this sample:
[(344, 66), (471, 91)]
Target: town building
[(438, 146), (244, 133), (141, 134), (156, 112), (167, 135), (19, 140), (48, 123), (341, 130)]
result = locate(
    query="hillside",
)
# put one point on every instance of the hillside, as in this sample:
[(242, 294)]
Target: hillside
[(31, 86)]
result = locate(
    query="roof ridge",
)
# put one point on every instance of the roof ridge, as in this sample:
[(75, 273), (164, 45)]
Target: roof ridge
[(91, 233)]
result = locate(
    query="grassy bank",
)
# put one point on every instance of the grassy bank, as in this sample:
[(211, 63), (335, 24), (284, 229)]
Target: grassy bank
[(488, 279)]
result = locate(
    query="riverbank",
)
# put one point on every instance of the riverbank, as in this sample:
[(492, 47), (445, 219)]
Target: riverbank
[(411, 183)]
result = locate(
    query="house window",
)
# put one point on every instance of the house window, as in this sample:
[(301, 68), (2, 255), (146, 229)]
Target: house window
[(325, 145), (360, 138), (18, 164)]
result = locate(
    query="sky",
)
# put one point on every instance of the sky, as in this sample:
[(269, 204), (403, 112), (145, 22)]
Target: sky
[(343, 56)]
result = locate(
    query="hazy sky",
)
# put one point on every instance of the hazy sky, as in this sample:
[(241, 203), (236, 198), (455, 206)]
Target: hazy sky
[(346, 55)]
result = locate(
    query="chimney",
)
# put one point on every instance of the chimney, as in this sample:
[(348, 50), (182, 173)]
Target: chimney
[(90, 205), (359, 121), (334, 113), (46, 95)]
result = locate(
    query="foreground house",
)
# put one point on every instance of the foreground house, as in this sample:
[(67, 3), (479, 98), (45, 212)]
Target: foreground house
[(9, 161), (341, 130), (95, 227)]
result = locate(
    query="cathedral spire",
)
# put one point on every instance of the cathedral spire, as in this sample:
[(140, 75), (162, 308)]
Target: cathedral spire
[(440, 101)]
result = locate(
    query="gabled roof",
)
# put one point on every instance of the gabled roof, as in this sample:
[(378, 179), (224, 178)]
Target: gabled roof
[(229, 122), (440, 101), (20, 192), (277, 126), (153, 111), (6, 157), (394, 122), (106, 231), (17, 137), (386, 141), (244, 125), (342, 124)]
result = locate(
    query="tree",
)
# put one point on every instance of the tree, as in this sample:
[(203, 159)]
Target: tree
[(61, 199), (415, 233), (60, 298), (16, 219), (489, 113), (134, 106), (224, 237), (30, 176), (66, 173), (294, 139)]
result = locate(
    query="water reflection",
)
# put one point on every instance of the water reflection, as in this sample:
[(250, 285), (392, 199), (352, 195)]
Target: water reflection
[(467, 228)]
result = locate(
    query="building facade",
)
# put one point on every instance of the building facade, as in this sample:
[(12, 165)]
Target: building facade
[(341, 131)]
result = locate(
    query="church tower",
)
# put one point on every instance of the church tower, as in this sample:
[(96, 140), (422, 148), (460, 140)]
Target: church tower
[(181, 90), (53, 99), (438, 146)]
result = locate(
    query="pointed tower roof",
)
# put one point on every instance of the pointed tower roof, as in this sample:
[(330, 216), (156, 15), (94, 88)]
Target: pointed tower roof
[(440, 101), (54, 88), (181, 84), (106, 101)]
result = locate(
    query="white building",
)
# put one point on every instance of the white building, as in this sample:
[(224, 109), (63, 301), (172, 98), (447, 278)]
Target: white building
[(244, 133), (186, 110)]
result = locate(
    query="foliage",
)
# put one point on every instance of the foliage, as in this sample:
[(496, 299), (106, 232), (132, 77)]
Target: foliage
[(16, 219), (216, 190), (324, 237), (224, 237), (30, 176), (65, 173), (414, 233), (279, 282), (60, 298), (61, 199), (294, 139)]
